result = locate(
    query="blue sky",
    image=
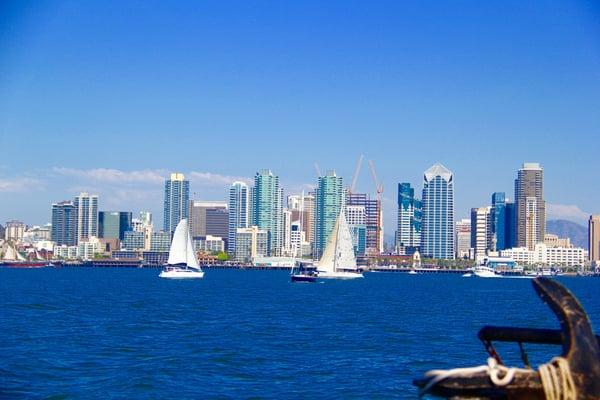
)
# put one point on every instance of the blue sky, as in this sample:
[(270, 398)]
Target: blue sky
[(111, 96)]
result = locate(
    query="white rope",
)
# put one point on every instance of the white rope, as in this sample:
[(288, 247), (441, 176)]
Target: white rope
[(555, 376), (557, 380)]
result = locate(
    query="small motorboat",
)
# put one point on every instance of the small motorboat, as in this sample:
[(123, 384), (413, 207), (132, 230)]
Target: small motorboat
[(303, 271)]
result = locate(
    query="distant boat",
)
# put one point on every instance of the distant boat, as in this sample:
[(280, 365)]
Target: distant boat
[(303, 272), (13, 259), (182, 262), (412, 272), (338, 260)]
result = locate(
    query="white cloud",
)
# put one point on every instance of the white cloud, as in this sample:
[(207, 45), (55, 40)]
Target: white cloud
[(19, 184), (566, 211), (210, 179), (110, 175)]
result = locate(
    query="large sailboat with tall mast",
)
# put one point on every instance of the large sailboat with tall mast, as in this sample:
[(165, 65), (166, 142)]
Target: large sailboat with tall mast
[(182, 263), (338, 260)]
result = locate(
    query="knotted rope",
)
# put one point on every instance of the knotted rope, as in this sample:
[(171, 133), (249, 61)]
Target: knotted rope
[(555, 376)]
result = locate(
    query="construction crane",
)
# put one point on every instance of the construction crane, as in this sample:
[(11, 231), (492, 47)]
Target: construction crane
[(356, 172), (318, 170), (378, 186)]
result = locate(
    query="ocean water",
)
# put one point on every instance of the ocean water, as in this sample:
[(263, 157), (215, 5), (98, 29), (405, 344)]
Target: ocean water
[(77, 333)]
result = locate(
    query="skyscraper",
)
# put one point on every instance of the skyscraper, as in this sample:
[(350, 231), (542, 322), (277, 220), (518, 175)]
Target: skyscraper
[(329, 199), (239, 214), (463, 238), (437, 231), (267, 209), (113, 224), (209, 218), (373, 220), (87, 216), (303, 207), (481, 230), (177, 195), (64, 223), (408, 233), (499, 222), (594, 238), (530, 205)]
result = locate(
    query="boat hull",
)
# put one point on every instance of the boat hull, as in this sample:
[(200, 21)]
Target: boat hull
[(25, 264), (304, 278), (340, 275), (181, 274)]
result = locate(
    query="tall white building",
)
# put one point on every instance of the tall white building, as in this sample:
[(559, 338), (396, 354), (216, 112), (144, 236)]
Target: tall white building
[(239, 211), (14, 230), (437, 234), (481, 230), (87, 216)]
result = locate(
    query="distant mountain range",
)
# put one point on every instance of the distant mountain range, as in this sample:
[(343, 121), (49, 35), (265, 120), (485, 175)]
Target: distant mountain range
[(569, 229), (561, 227)]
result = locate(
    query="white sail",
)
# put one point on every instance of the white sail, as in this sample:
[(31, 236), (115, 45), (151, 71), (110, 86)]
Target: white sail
[(178, 251), (344, 250), (327, 261), (12, 254), (190, 259)]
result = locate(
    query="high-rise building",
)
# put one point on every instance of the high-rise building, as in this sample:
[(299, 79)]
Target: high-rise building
[(373, 220), (408, 233), (209, 218), (499, 221), (113, 224), (356, 217), (481, 230), (161, 241), (64, 223), (594, 238), (176, 203), (329, 200), (530, 205), (87, 216), (303, 208), (511, 225), (267, 209), (134, 240), (437, 230), (463, 238), (250, 243), (14, 230), (239, 211)]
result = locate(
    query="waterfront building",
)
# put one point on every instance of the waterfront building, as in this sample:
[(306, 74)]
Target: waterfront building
[(267, 209), (161, 241), (87, 216), (86, 249), (408, 232), (239, 212), (176, 201), (287, 233), (329, 200), (37, 233), (65, 252), (543, 255), (250, 243), (373, 220), (463, 239), (437, 230), (511, 225), (209, 218), (552, 240), (14, 230), (209, 244), (113, 224), (155, 258), (64, 223), (481, 231), (133, 240), (499, 222), (530, 205), (300, 246), (594, 238)]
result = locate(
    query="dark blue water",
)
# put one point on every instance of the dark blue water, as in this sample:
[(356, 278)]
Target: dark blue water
[(109, 333)]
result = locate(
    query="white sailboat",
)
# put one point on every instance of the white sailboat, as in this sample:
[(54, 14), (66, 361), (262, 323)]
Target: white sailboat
[(182, 263), (338, 260)]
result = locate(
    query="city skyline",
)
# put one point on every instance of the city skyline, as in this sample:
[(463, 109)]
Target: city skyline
[(268, 88)]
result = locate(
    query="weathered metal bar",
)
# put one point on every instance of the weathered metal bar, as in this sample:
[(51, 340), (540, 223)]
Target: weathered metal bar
[(523, 335)]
